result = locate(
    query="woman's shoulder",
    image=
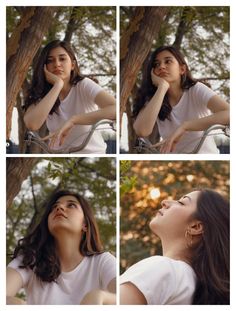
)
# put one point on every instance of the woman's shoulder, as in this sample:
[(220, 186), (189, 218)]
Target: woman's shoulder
[(103, 256), (200, 87)]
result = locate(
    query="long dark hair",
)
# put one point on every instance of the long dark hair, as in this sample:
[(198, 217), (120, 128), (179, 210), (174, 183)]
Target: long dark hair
[(38, 249), (210, 257), (39, 86), (147, 89)]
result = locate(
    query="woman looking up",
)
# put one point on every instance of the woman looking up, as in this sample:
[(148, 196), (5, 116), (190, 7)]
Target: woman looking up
[(194, 268)]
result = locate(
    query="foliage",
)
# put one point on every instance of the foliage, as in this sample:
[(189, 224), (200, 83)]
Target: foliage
[(169, 179), (126, 183), (93, 37), (94, 178)]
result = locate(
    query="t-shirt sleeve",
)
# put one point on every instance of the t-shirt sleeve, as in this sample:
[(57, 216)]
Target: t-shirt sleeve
[(24, 273), (90, 89), (203, 94), (107, 269), (153, 277)]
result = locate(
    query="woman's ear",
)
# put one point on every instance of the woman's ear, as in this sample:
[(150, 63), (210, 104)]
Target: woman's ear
[(73, 65), (196, 228), (183, 69)]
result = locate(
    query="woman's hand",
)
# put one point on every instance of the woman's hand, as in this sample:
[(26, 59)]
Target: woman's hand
[(60, 135), (99, 297), (158, 81), (52, 78), (15, 301), (168, 145)]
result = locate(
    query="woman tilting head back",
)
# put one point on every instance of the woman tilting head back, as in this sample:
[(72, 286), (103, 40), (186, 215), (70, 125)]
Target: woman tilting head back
[(194, 268), (62, 261)]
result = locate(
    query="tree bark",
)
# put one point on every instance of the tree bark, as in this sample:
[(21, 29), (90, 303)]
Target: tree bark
[(186, 19), (18, 169), (135, 44), (72, 25), (21, 48)]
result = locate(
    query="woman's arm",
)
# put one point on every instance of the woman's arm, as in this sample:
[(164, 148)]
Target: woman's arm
[(100, 297), (147, 117), (14, 283), (131, 295), (37, 114), (220, 115), (107, 110)]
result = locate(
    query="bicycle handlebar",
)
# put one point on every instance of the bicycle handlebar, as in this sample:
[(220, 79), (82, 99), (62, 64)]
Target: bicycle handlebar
[(144, 143), (33, 137)]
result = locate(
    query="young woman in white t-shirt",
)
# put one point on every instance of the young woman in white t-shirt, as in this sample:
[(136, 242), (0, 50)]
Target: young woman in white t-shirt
[(194, 268), (68, 102), (62, 261), (180, 106)]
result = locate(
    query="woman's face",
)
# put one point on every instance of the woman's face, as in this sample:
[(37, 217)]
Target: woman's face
[(66, 215), (174, 217), (60, 63), (167, 67)]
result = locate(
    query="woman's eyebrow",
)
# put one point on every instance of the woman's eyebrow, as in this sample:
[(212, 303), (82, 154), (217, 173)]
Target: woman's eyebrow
[(51, 56), (165, 58)]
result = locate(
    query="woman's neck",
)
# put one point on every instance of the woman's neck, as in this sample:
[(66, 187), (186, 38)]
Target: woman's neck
[(65, 90), (176, 250), (174, 94), (69, 253)]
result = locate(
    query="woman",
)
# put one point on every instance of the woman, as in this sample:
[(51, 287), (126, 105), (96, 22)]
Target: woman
[(68, 102), (180, 106), (194, 268), (62, 260)]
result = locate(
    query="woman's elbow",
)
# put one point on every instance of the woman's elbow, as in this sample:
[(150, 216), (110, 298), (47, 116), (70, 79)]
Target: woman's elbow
[(32, 126), (141, 132)]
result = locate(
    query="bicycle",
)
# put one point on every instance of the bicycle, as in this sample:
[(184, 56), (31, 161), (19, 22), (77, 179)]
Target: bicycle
[(34, 138), (145, 146)]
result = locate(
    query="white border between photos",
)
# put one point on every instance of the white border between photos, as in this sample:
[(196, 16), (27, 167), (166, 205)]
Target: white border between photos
[(230, 157)]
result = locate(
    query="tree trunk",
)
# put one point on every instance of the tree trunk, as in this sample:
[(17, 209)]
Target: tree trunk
[(135, 44), (21, 48), (186, 19), (72, 25), (18, 169)]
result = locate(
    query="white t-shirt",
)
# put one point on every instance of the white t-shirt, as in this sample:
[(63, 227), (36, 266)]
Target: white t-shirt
[(94, 272), (192, 105), (162, 280), (79, 100)]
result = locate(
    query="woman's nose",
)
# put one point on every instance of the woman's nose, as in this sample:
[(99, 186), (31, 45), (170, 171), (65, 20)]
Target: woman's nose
[(60, 207), (57, 63), (165, 204)]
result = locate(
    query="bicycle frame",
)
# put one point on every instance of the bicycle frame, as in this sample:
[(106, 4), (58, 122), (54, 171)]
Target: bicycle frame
[(33, 137), (145, 144)]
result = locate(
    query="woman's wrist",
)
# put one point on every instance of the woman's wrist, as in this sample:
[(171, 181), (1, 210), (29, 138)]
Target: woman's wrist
[(59, 84), (185, 126)]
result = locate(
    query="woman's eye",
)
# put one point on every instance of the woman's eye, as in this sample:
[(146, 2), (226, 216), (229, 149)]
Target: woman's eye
[(48, 61), (180, 202), (71, 205)]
